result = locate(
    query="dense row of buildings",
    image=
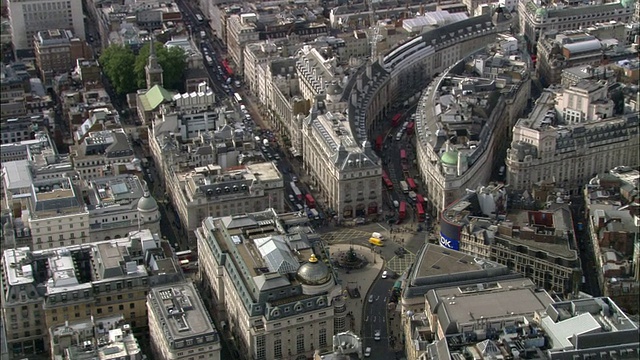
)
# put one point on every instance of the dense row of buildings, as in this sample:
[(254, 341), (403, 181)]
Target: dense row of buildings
[(84, 265)]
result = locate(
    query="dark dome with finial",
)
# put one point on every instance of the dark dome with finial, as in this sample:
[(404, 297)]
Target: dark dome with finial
[(314, 272)]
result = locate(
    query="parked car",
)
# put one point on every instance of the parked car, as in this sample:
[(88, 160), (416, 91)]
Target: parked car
[(385, 274), (370, 298), (367, 352)]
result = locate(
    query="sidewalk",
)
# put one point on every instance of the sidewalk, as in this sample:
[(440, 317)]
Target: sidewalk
[(362, 278)]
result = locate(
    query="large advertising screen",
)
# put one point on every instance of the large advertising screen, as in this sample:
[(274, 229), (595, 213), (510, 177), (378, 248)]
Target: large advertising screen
[(449, 235)]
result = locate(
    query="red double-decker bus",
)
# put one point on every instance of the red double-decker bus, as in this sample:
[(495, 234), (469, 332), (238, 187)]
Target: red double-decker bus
[(410, 128), (396, 120), (419, 199), (411, 183), (311, 202), (387, 182), (379, 141), (420, 212), (227, 68), (402, 210), (403, 155)]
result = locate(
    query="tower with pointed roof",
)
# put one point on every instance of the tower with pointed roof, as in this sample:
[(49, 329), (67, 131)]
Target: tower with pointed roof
[(153, 70)]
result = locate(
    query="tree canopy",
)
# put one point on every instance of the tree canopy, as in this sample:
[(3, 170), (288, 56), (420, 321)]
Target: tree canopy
[(173, 61), (126, 71), (116, 62)]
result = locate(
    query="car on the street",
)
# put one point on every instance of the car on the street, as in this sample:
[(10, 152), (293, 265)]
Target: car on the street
[(370, 298), (277, 157), (294, 178), (300, 208), (396, 204), (291, 198), (360, 221), (385, 274), (367, 352), (376, 335)]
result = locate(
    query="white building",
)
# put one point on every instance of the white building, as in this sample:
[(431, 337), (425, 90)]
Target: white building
[(30, 16), (180, 327), (566, 147)]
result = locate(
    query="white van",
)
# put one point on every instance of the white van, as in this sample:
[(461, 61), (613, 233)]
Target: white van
[(242, 107), (399, 136)]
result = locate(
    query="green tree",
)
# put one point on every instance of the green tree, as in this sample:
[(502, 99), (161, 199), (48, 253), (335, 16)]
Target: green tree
[(172, 60), (116, 61)]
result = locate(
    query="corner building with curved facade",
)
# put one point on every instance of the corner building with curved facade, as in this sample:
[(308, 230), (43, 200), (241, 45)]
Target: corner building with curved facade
[(270, 286)]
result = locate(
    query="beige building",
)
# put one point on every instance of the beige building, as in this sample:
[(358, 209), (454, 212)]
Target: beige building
[(57, 51), (537, 19), (99, 151), (277, 298), (241, 30), (452, 160), (211, 191), (346, 173), (584, 101), (56, 214), (45, 289), (547, 147), (481, 225), (179, 325)]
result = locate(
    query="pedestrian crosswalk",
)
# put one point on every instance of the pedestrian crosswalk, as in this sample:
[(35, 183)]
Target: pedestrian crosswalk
[(400, 264), (346, 236)]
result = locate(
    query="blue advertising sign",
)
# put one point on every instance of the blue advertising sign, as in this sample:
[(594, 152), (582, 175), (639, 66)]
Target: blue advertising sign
[(449, 243)]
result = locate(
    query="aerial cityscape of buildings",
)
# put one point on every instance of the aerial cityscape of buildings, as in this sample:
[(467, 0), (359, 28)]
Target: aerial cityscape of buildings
[(320, 180)]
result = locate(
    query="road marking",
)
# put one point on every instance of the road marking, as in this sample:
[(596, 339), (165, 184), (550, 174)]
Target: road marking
[(385, 299), (385, 229)]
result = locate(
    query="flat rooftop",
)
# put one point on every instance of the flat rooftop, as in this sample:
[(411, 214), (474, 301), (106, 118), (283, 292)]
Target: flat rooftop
[(507, 298), (437, 260), (181, 313)]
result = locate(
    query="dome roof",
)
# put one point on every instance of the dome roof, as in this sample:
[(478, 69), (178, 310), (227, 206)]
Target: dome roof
[(334, 89), (450, 158), (147, 203), (314, 272)]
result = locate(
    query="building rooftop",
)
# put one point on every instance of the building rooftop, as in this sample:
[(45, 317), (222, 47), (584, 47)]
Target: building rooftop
[(40, 151), (113, 191), (334, 130), (457, 307), (182, 315), (54, 196), (586, 324), (53, 37), (437, 267)]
